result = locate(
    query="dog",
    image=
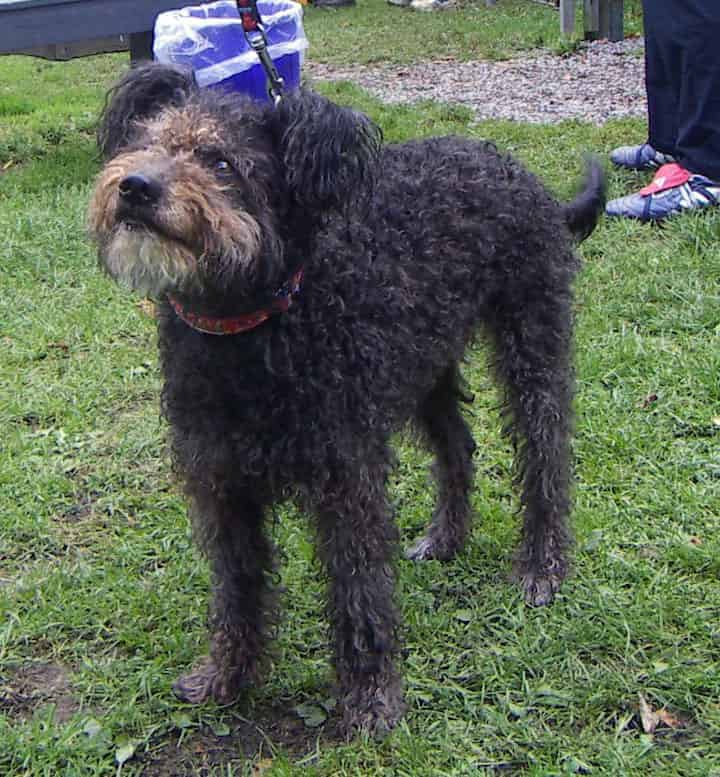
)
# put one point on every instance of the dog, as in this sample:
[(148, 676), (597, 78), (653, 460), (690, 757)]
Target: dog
[(317, 291)]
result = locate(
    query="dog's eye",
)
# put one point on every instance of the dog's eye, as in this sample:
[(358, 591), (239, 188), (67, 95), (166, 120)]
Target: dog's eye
[(214, 160), (222, 167)]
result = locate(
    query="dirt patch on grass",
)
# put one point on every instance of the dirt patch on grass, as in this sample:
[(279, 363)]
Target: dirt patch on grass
[(202, 752), (35, 685), (6, 167)]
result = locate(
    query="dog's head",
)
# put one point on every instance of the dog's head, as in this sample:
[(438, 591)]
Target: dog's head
[(204, 190)]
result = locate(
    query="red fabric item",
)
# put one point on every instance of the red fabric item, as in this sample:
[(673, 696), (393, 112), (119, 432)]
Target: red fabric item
[(667, 177), (249, 17), (245, 322)]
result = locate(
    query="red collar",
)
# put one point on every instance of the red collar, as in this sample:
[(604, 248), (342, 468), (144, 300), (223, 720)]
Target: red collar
[(281, 301)]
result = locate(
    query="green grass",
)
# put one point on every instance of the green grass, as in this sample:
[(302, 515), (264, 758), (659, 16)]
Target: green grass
[(374, 31), (103, 597)]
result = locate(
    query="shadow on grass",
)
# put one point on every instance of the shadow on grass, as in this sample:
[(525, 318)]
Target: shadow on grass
[(275, 731)]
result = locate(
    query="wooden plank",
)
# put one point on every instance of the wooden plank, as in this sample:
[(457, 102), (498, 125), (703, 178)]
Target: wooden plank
[(65, 51), (611, 19), (29, 27), (567, 17), (4, 4), (591, 19), (615, 20)]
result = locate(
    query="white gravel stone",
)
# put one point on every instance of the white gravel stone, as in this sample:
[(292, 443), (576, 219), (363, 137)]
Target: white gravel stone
[(600, 81)]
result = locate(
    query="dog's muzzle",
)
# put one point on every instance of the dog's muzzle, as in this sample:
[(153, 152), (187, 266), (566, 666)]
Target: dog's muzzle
[(139, 190)]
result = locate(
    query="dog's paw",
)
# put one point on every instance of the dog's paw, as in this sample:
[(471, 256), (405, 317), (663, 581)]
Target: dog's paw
[(206, 682), (372, 705), (540, 582), (375, 720), (429, 547), (540, 589)]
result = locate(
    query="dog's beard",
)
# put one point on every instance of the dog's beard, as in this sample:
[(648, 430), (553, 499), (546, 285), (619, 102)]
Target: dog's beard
[(147, 262), (154, 264), (199, 237)]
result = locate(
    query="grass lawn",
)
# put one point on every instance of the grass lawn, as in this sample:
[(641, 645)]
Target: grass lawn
[(372, 31), (103, 597)]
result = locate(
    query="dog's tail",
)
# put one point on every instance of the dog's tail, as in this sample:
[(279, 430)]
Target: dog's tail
[(582, 214)]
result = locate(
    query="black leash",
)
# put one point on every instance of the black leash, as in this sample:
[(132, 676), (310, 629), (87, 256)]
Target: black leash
[(255, 36)]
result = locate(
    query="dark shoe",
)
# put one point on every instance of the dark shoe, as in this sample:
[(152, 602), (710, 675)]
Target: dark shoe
[(643, 157)]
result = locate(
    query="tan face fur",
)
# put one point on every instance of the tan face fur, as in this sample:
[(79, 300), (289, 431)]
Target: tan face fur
[(194, 229)]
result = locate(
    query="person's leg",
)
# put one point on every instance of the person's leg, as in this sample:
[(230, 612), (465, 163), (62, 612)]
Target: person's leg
[(683, 60), (663, 52), (662, 88), (697, 144)]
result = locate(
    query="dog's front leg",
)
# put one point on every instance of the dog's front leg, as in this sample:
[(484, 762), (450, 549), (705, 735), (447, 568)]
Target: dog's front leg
[(228, 523), (357, 544)]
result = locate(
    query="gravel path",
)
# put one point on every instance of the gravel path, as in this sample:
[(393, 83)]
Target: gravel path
[(601, 81)]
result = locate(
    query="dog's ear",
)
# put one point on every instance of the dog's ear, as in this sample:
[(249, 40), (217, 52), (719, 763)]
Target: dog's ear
[(329, 153), (142, 92)]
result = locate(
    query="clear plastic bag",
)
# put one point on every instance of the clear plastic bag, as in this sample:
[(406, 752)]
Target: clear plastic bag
[(209, 39)]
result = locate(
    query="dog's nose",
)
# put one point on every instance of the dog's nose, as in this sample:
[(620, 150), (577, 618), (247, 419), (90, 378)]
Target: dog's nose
[(138, 189)]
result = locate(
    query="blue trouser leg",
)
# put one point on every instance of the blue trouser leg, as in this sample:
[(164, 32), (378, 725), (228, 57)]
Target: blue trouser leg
[(682, 56)]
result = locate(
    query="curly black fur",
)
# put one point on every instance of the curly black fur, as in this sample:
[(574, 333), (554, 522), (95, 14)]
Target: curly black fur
[(141, 93), (454, 238)]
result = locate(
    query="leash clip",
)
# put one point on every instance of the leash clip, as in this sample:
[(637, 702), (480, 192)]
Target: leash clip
[(255, 35)]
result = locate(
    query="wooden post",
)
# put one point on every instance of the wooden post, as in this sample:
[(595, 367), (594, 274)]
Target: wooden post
[(567, 17), (615, 26), (611, 19), (141, 46), (591, 19)]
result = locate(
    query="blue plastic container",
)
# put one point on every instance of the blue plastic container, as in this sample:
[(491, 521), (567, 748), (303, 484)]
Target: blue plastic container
[(253, 81), (210, 40)]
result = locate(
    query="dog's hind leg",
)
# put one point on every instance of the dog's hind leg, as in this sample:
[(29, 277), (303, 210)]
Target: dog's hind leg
[(229, 525), (357, 540), (534, 342), (448, 434)]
